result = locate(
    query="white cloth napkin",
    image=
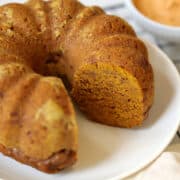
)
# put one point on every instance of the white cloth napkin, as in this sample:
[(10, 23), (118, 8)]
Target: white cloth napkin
[(166, 167)]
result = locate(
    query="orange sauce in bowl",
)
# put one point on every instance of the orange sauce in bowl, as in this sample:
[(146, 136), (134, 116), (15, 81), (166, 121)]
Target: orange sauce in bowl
[(163, 11)]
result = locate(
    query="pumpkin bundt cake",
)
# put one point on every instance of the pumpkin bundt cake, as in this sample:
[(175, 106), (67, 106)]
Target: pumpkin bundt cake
[(99, 55)]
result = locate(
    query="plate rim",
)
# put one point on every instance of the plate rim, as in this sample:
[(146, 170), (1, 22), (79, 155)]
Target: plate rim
[(173, 132)]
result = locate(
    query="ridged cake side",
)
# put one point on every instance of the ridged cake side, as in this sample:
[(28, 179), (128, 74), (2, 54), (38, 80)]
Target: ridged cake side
[(37, 125), (37, 119), (111, 44), (104, 62)]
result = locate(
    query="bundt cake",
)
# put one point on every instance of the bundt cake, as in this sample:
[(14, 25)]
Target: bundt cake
[(100, 57)]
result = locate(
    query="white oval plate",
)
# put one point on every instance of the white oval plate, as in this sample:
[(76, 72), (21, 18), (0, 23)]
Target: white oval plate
[(112, 153)]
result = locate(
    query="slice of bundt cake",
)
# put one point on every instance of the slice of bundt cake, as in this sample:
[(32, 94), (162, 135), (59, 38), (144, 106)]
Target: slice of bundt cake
[(37, 124), (104, 62)]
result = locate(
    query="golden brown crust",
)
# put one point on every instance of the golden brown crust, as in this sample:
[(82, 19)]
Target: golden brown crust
[(37, 118), (100, 55), (53, 164)]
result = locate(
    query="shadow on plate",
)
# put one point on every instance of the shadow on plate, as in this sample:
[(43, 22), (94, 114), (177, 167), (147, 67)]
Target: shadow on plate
[(164, 94)]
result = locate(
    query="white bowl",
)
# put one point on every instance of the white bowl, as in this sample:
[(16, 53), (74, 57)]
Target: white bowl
[(161, 31)]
